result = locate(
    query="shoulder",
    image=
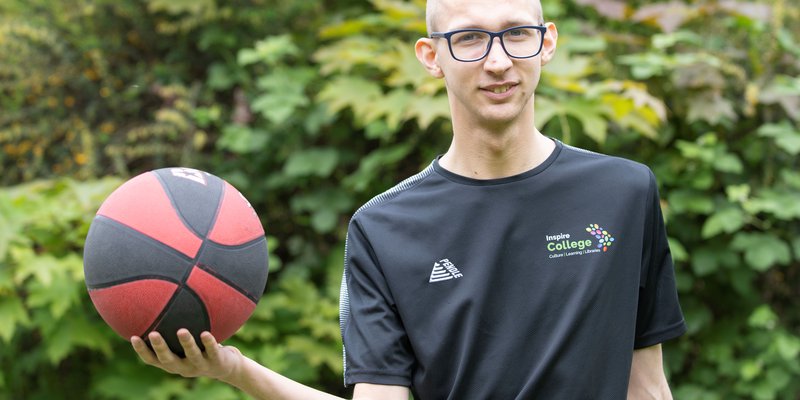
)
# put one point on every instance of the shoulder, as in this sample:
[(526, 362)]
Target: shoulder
[(393, 195), (607, 169)]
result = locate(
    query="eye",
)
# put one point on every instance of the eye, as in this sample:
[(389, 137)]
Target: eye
[(467, 37), (521, 32)]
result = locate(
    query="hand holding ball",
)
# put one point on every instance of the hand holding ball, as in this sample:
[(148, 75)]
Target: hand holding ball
[(175, 248)]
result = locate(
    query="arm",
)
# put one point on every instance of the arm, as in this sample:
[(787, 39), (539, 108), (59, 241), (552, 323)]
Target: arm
[(648, 380), (227, 364)]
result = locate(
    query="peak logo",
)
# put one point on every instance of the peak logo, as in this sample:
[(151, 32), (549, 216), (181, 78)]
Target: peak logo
[(563, 245)]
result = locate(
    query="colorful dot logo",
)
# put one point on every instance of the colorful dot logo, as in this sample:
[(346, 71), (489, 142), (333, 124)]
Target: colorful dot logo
[(605, 240)]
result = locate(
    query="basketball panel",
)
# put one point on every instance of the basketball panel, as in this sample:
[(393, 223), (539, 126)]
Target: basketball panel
[(185, 311), (228, 309), (195, 194), (131, 307), (142, 204), (237, 222), (115, 253), (245, 267)]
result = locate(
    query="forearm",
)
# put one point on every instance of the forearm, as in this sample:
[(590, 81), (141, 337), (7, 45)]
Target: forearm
[(647, 380), (264, 384)]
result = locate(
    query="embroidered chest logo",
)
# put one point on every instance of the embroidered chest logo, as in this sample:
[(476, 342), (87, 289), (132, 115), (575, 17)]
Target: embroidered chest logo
[(444, 270), (564, 245)]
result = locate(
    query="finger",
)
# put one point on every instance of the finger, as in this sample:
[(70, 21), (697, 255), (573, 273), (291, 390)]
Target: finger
[(193, 353), (163, 353), (143, 351), (211, 345)]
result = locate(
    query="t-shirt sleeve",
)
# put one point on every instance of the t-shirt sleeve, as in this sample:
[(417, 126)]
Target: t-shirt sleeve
[(376, 347), (659, 317)]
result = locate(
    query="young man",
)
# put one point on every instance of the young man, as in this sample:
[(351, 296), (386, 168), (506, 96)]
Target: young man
[(513, 267)]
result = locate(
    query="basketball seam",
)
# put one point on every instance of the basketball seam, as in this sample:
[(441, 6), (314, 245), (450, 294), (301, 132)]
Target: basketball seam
[(160, 316), (236, 246), (132, 279), (232, 285), (143, 236), (178, 212)]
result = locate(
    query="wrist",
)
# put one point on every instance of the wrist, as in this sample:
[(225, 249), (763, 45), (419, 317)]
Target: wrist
[(234, 375)]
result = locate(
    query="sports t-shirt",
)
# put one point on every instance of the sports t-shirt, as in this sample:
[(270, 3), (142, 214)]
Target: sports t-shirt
[(534, 286)]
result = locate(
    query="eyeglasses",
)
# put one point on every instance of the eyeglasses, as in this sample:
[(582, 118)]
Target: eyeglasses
[(468, 45)]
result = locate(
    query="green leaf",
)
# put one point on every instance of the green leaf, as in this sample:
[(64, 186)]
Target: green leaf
[(787, 346), (326, 206), (751, 369), (792, 178), (277, 108), (428, 109), (710, 107), (220, 77), (242, 139), (207, 389), (667, 40), (783, 204), (679, 252), (785, 135), (179, 7), (698, 317), (403, 67), (12, 315), (690, 201), (728, 219), (394, 108), (312, 162), (355, 93), (729, 163), (704, 262), (324, 220), (777, 379), (738, 193), (590, 114), (695, 392), (762, 250), (763, 317), (345, 55), (128, 379), (285, 93), (375, 163), (268, 51)]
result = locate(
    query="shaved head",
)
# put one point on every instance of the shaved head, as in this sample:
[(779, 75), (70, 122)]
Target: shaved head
[(435, 7)]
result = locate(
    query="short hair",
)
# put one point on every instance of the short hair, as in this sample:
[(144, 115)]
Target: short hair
[(432, 9)]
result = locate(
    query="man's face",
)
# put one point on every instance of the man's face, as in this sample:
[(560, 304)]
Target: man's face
[(498, 89)]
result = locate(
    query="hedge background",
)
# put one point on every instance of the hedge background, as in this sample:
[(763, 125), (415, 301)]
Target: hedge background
[(311, 108)]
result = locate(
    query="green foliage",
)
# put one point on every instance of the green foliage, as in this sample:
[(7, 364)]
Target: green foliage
[(311, 108)]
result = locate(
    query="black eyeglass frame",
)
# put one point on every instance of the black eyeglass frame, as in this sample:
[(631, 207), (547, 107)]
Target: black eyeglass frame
[(492, 35)]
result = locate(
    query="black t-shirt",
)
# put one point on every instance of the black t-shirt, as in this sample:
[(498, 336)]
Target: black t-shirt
[(535, 286)]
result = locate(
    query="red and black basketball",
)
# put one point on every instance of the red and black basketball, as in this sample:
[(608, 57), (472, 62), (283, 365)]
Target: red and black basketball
[(175, 248)]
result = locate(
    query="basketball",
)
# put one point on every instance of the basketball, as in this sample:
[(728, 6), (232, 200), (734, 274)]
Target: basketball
[(175, 248)]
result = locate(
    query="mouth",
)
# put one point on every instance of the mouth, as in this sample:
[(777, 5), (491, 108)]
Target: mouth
[(499, 89)]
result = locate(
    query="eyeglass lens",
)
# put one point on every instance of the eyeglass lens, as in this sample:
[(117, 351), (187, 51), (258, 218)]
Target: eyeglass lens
[(473, 45)]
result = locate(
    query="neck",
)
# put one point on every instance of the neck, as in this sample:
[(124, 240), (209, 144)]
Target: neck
[(491, 152)]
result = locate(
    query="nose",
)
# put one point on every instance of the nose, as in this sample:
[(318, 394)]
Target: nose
[(497, 60)]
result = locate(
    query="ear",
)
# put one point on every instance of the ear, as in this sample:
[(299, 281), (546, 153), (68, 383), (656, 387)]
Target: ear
[(426, 54), (549, 45)]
